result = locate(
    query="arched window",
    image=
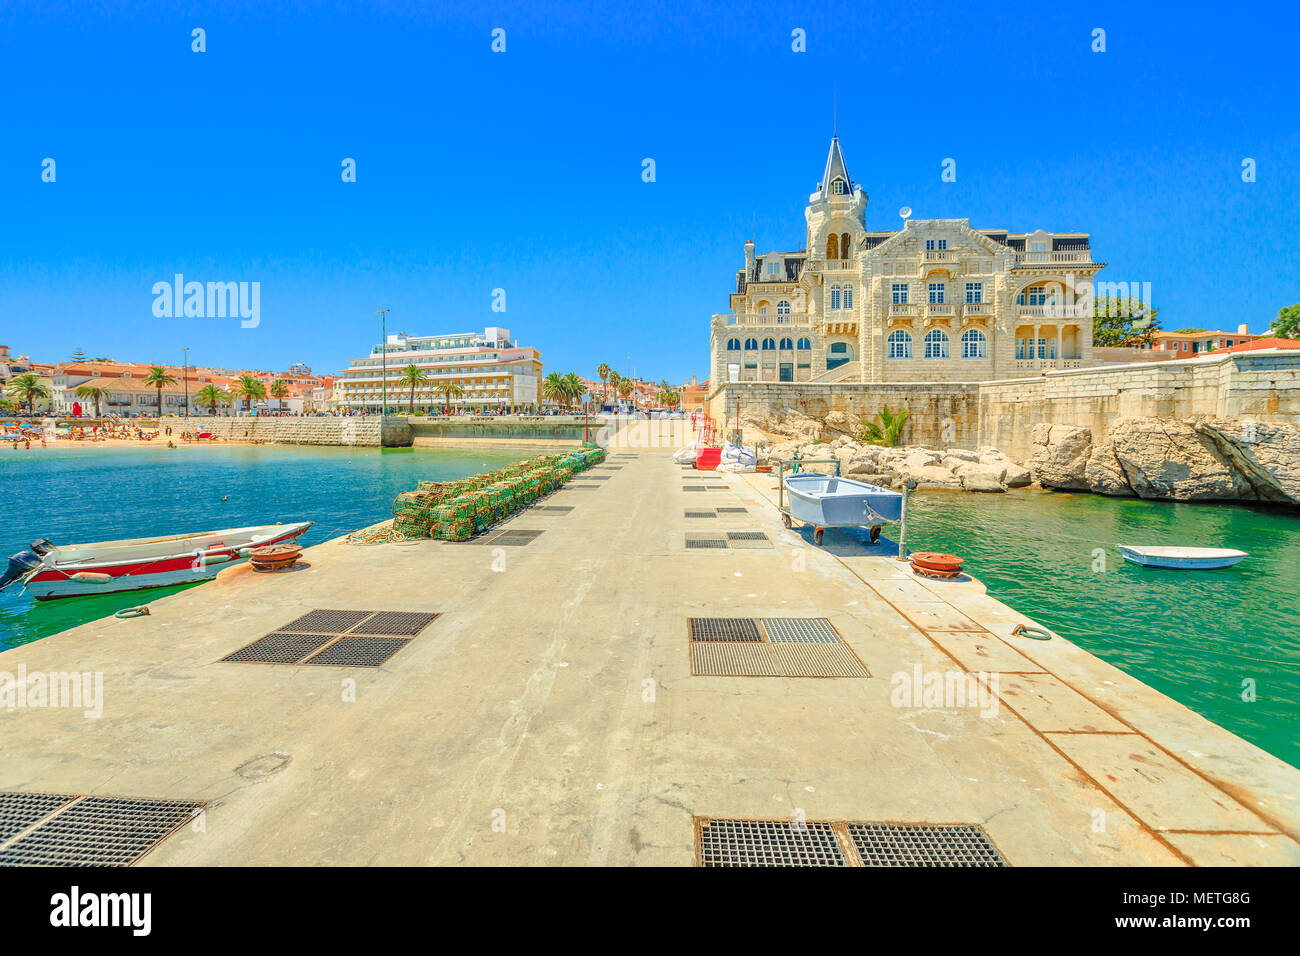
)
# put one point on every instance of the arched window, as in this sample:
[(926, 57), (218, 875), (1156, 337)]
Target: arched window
[(805, 343), (832, 246), (787, 343), (900, 345), (733, 345), (783, 307), (848, 297), (936, 344), (972, 344), (844, 245), (751, 344), (769, 345), (835, 297)]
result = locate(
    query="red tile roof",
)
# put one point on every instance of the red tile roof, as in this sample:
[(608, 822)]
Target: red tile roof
[(1271, 342)]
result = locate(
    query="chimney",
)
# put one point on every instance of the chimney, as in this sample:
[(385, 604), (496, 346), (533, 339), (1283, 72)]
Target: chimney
[(1243, 329), (749, 257)]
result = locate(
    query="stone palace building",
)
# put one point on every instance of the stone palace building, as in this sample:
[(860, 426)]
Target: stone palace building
[(935, 301)]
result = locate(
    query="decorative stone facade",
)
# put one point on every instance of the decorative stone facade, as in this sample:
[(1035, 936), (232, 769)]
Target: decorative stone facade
[(935, 301)]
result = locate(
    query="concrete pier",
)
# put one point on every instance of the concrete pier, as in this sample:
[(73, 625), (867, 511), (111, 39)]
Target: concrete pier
[(551, 714)]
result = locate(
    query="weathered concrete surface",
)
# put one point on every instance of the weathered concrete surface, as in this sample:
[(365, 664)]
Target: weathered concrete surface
[(555, 699)]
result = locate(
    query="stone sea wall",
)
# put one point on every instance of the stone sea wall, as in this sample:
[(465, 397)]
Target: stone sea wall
[(361, 431), (458, 428), (1263, 387)]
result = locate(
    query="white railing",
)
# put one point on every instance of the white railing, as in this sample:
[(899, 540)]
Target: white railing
[(1049, 258), (902, 308), (976, 308), (1038, 364), (1053, 311), (940, 255), (765, 318), (939, 308), (831, 265)]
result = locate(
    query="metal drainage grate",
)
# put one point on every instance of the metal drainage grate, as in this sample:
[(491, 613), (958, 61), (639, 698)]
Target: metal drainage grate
[(553, 509), (695, 543), (359, 651), (517, 538), (20, 810), (890, 844), (700, 514), (326, 622), (99, 831), (733, 511), (811, 630), (746, 536), (723, 629), (405, 623), (280, 648), (591, 477), (693, 488), (768, 843)]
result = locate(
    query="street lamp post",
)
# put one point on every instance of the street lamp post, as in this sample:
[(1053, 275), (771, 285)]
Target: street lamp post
[(383, 359), (185, 378)]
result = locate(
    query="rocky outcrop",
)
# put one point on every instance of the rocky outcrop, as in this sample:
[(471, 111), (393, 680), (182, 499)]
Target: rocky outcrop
[(1173, 460)]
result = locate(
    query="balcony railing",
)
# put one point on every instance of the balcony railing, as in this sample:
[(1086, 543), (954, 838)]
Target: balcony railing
[(977, 308), (1051, 311), (940, 308), (765, 318), (902, 308), (1040, 364), (939, 255), (831, 265), (1052, 258)]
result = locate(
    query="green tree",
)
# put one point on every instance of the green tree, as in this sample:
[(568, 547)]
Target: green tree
[(93, 391), (279, 388), (28, 388), (1120, 323), (78, 355), (247, 387), (1287, 323), (159, 379), (555, 389), (603, 372), (415, 377), (887, 432), (210, 395), (449, 390), (574, 387)]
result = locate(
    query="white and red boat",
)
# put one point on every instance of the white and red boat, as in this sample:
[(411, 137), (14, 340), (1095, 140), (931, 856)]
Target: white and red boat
[(50, 571)]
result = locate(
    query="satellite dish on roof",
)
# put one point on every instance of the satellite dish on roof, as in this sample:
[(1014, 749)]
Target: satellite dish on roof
[(905, 212)]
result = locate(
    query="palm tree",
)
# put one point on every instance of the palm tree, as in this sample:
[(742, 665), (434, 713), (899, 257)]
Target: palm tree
[(573, 386), (415, 377), (27, 388), (603, 372), (249, 388), (93, 391), (158, 378), (210, 395), (449, 390), (556, 388), (625, 388), (279, 388)]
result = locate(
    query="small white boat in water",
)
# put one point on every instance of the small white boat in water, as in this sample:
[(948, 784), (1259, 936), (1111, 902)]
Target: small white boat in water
[(829, 501), (50, 571), (1182, 558)]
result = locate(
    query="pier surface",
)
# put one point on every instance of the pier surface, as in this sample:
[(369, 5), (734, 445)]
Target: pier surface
[(550, 715)]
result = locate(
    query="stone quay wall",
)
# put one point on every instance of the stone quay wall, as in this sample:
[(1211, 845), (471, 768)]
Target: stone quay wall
[(365, 431), (1263, 386)]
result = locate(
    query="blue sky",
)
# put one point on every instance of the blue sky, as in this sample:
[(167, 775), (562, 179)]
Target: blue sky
[(522, 170)]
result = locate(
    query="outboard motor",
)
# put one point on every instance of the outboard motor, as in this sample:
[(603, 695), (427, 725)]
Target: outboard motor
[(42, 546), (20, 565)]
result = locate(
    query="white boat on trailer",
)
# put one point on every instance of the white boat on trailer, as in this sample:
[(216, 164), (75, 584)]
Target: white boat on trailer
[(1185, 559), (49, 571)]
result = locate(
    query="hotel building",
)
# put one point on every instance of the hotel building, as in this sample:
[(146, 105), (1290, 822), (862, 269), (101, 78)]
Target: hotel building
[(493, 371), (934, 301)]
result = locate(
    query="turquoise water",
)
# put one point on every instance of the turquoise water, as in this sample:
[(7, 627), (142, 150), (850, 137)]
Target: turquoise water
[(1194, 635), (98, 494)]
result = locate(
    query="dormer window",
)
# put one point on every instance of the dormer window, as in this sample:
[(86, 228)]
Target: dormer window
[(839, 187)]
